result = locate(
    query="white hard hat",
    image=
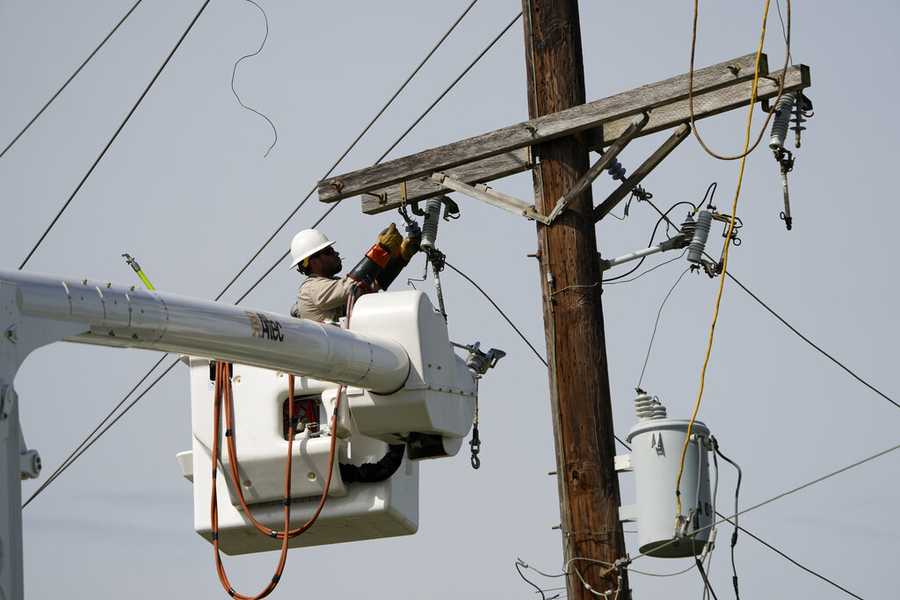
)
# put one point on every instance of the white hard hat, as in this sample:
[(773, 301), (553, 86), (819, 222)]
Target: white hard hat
[(305, 244)]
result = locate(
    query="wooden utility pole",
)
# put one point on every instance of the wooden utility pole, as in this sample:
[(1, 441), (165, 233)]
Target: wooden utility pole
[(573, 313)]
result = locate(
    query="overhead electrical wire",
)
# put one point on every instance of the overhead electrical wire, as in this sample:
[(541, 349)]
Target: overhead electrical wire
[(234, 74), (789, 558), (95, 439), (656, 324), (796, 332), (114, 136), (258, 281), (500, 311), (69, 80), (775, 314), (728, 235), (347, 151)]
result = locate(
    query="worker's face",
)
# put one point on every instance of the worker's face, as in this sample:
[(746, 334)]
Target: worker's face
[(326, 262)]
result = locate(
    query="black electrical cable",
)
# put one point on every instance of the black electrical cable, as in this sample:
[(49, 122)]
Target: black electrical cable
[(234, 75), (322, 218), (87, 446), (790, 559), (69, 80), (810, 342), (344, 154), (734, 534), (64, 464), (518, 564), (652, 237), (500, 310), (114, 136), (513, 325), (656, 325), (706, 582)]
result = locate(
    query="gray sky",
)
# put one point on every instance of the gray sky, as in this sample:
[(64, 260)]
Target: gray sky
[(186, 189)]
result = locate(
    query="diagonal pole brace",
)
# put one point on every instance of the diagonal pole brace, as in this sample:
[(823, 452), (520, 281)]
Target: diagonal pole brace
[(490, 196), (598, 167), (642, 171)]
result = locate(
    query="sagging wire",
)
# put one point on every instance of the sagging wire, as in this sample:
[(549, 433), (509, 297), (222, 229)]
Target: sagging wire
[(518, 565), (753, 94), (234, 74), (499, 310), (656, 325), (724, 263), (737, 492)]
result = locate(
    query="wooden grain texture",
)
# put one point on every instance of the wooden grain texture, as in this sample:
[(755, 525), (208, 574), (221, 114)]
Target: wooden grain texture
[(664, 115), (573, 316), (550, 126)]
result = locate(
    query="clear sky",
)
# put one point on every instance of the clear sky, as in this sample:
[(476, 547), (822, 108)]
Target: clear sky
[(187, 190)]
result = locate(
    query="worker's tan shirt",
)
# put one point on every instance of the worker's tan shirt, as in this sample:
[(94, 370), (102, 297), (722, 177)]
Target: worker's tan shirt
[(322, 298)]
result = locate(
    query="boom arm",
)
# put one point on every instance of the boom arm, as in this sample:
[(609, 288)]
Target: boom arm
[(38, 310)]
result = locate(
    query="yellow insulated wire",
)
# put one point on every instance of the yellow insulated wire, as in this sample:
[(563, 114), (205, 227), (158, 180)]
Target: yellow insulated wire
[(140, 272), (731, 221)]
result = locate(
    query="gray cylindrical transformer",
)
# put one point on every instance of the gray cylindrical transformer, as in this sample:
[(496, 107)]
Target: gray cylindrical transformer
[(701, 233), (430, 226), (655, 458)]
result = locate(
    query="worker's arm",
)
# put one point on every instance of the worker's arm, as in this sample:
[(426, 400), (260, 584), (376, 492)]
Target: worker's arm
[(408, 249), (322, 294), (377, 258)]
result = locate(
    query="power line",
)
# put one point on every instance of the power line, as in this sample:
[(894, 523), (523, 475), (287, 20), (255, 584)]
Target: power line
[(656, 324), (513, 325), (64, 464), (345, 152), (499, 310), (811, 343), (114, 136), (790, 559), (77, 454), (69, 80)]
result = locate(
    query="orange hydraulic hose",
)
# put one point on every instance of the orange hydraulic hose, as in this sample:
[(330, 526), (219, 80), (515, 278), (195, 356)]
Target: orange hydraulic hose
[(223, 387), (224, 390)]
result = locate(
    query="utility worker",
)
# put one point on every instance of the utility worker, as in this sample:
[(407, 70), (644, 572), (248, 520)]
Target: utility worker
[(322, 295)]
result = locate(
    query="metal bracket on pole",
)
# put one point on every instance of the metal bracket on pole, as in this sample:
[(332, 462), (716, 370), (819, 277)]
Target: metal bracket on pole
[(609, 155), (490, 196), (642, 171), (677, 242)]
